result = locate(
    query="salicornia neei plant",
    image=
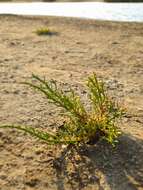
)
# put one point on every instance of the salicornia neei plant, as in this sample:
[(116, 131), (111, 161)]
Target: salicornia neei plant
[(45, 31), (80, 126)]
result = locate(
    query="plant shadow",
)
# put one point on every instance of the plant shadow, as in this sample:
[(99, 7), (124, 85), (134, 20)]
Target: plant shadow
[(50, 33), (101, 166)]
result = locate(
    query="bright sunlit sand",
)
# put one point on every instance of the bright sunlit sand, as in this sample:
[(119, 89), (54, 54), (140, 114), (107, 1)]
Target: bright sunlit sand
[(65, 51)]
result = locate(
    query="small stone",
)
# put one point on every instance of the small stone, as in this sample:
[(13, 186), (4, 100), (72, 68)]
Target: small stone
[(64, 146)]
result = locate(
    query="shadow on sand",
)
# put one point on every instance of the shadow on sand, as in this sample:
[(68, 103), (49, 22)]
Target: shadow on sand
[(101, 166)]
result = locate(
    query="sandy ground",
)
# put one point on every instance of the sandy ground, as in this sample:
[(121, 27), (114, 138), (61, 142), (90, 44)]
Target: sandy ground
[(115, 52)]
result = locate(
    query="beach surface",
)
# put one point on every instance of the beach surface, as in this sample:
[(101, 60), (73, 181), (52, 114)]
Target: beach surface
[(114, 51)]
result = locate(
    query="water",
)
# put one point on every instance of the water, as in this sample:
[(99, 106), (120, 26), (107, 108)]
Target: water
[(93, 10), (114, 1)]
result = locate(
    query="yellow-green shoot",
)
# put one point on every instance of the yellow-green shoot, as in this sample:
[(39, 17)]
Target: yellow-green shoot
[(80, 126), (45, 31)]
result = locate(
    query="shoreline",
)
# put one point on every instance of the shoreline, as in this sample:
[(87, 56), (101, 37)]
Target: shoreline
[(85, 21)]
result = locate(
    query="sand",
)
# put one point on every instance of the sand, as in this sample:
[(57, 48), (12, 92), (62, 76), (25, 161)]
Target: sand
[(114, 51)]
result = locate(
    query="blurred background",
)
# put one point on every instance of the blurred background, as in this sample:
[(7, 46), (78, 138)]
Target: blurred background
[(71, 1)]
